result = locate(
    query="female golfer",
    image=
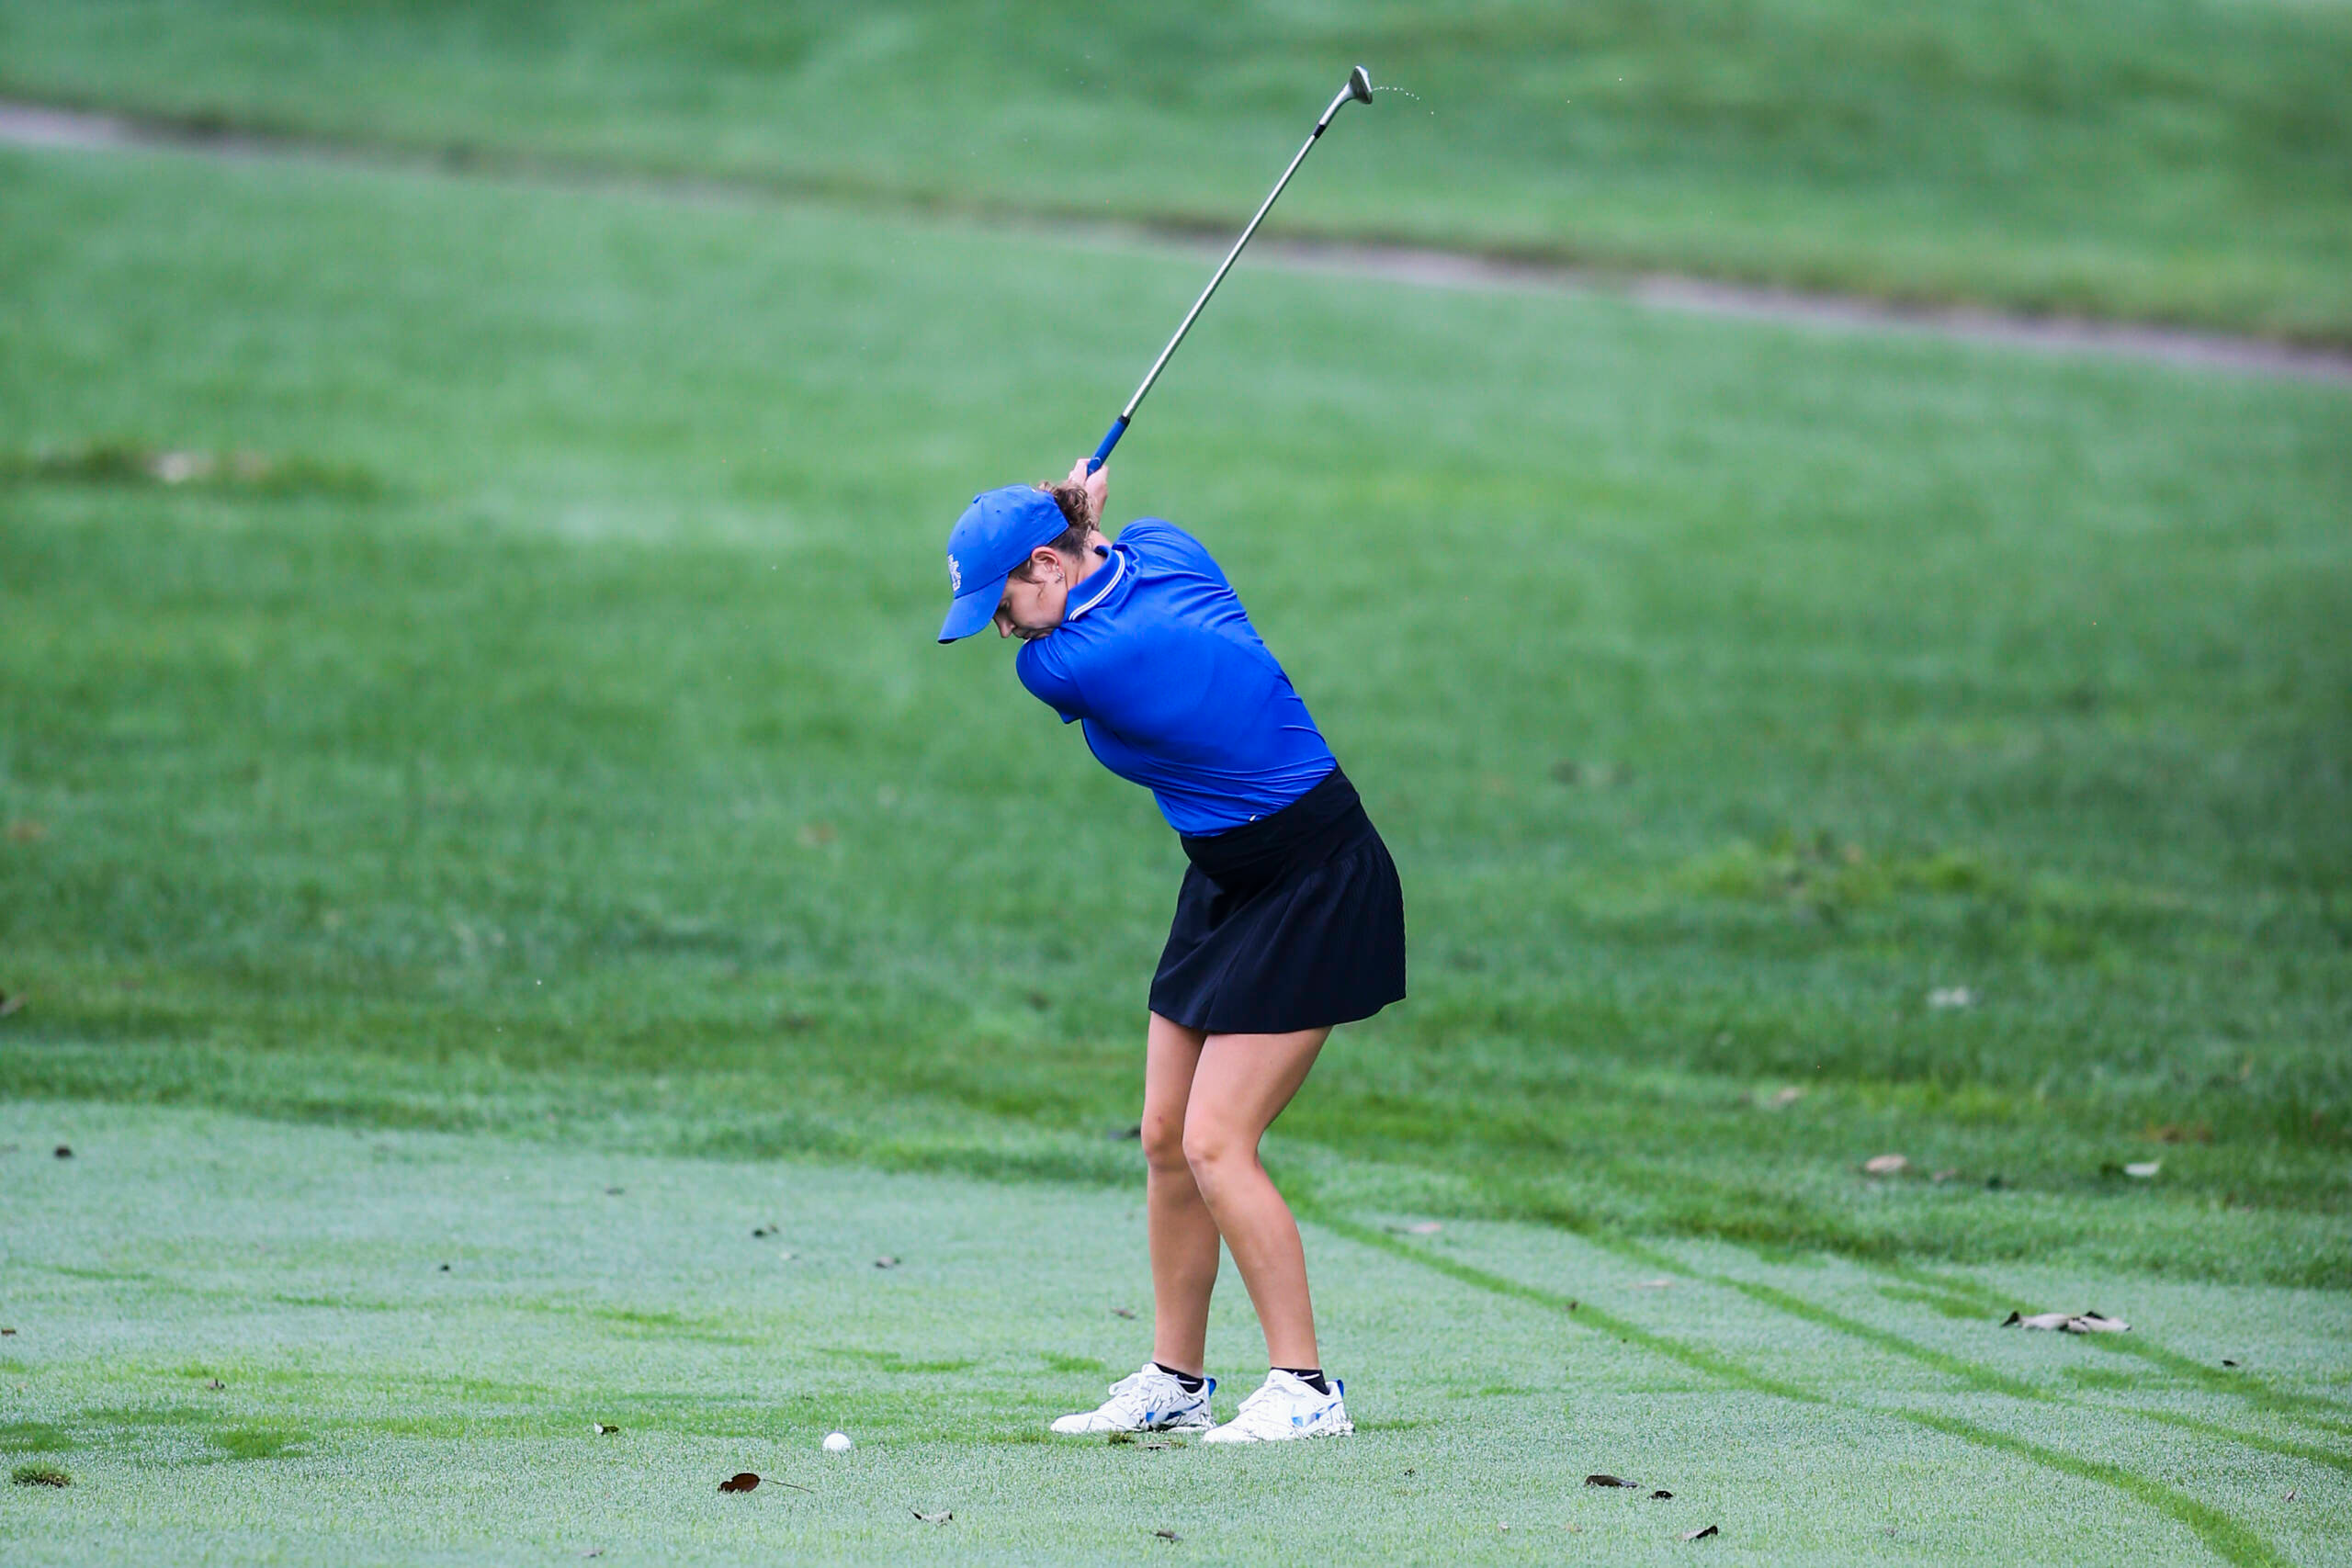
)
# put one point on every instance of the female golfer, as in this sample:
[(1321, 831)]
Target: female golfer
[(1290, 919)]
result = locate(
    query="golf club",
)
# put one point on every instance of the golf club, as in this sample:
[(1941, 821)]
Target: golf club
[(1359, 87)]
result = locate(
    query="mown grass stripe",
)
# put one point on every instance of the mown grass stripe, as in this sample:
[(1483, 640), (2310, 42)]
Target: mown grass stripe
[(1988, 1380), (1982, 1378), (2264, 1396), (2311, 1409), (2285, 1447), (2259, 1393), (1696, 1357), (2224, 1536)]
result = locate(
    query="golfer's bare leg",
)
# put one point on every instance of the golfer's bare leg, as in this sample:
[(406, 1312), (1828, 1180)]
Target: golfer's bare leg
[(1184, 1236), (1240, 1085)]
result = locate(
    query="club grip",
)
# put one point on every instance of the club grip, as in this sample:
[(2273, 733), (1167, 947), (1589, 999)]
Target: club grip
[(1118, 429)]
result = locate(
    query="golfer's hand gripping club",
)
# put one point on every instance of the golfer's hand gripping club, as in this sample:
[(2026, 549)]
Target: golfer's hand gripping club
[(1088, 476), (1358, 87)]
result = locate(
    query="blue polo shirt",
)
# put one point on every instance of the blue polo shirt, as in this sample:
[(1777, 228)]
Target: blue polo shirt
[(1158, 660)]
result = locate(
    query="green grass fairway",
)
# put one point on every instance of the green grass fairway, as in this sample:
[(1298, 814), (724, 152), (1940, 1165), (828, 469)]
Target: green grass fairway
[(376, 1408), (471, 737), (2189, 160), (555, 729)]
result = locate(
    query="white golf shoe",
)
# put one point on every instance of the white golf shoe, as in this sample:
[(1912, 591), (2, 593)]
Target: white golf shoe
[(1146, 1401), (1285, 1407)]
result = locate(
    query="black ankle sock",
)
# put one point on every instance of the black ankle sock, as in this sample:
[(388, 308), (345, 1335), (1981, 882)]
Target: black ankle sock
[(1311, 1376), (1184, 1381)]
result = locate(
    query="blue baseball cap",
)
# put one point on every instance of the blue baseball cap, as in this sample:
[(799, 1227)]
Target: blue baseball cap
[(996, 534)]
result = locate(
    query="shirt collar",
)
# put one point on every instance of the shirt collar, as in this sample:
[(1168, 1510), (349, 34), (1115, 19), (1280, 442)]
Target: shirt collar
[(1111, 573)]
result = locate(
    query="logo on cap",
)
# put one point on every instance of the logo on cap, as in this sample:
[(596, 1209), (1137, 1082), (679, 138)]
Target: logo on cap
[(954, 576)]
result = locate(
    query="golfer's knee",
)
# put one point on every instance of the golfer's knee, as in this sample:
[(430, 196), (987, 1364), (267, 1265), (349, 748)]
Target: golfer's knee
[(1163, 1143), (1216, 1149)]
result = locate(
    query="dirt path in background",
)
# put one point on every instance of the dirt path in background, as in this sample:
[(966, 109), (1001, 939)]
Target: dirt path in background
[(33, 125)]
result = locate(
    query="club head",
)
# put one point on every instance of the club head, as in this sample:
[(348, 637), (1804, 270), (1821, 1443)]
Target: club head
[(1360, 85)]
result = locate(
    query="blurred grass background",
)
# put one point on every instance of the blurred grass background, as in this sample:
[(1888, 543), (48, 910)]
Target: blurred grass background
[(2186, 160), (539, 726)]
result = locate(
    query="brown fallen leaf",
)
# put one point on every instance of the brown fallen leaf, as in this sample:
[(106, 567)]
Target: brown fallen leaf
[(6, 1332), (743, 1481), (25, 830), (1155, 1445), (1886, 1165), (1597, 1480), (1168, 1535), (2068, 1322), (215, 1385), (1700, 1534), (2225, 1360), (1123, 1312), (939, 1518), (1943, 1175), (1661, 1496), (594, 1552), (2290, 1497), (64, 1151)]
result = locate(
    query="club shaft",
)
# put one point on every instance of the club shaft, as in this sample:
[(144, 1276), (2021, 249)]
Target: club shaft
[(1218, 277), (1128, 413)]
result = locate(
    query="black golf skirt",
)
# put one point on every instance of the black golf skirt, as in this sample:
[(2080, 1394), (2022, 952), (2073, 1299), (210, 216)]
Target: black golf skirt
[(1294, 921)]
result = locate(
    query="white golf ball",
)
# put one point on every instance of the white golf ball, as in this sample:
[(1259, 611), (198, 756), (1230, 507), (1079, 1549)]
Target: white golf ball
[(838, 1443)]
